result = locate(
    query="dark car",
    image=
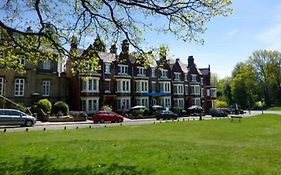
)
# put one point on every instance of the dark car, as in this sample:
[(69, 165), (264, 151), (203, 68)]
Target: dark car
[(106, 116), (166, 115), (226, 110), (16, 117), (218, 113)]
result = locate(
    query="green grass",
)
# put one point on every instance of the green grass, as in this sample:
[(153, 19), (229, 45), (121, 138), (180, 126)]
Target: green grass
[(251, 147), (275, 108)]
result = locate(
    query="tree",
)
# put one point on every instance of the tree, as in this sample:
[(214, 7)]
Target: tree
[(243, 85), (224, 90), (115, 20)]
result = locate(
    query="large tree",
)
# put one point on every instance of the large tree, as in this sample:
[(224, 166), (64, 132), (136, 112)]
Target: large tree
[(114, 20)]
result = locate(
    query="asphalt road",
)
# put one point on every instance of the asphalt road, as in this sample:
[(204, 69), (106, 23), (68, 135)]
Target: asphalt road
[(42, 126)]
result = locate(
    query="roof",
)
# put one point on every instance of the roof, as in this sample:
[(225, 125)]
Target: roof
[(80, 51), (205, 71), (183, 67)]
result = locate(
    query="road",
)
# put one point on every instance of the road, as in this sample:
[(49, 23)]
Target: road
[(42, 126)]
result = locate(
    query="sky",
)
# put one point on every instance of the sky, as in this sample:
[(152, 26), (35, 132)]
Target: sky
[(254, 25)]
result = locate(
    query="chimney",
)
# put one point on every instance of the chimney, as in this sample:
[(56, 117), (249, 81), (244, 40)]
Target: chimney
[(125, 46), (177, 60), (190, 61), (113, 48)]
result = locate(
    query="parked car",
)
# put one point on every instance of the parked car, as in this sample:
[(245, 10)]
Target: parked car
[(218, 113), (16, 117), (104, 116), (226, 110), (195, 110), (166, 115)]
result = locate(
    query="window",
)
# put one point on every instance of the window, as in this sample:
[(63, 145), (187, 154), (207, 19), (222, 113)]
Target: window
[(177, 76), (124, 85), (178, 89), (141, 86), (186, 90), (165, 102), (195, 89), (164, 73), (47, 65), (142, 101), (213, 92), (179, 103), (153, 72), (21, 59), (141, 71), (90, 104), (2, 55), (193, 77), (185, 77), (202, 92), (122, 69), (19, 87), (153, 86), (90, 84), (1, 86), (202, 82), (165, 87), (46, 84), (208, 92), (107, 86), (123, 102), (107, 68), (196, 101)]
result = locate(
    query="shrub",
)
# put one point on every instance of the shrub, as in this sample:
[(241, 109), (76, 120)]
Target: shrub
[(21, 107), (45, 105), (62, 107), (221, 104)]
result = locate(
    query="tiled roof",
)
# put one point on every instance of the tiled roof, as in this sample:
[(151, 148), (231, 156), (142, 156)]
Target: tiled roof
[(183, 67)]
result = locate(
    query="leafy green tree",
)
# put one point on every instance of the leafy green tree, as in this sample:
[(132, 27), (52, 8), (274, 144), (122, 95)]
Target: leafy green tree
[(224, 90), (114, 20), (244, 85)]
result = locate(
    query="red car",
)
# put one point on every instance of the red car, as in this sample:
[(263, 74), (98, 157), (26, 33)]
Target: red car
[(104, 116)]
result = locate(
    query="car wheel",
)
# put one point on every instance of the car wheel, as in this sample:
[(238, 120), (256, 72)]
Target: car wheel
[(102, 120), (28, 123)]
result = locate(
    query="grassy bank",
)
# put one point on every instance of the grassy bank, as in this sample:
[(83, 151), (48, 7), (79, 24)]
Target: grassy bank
[(191, 147)]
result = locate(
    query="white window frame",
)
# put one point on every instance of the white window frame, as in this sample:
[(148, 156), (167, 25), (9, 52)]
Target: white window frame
[(46, 88), (179, 103), (141, 86), (22, 59), (90, 106), (193, 77), (164, 73), (142, 101), (124, 85), (123, 101), (123, 69), (2, 55), (186, 89), (177, 76), (107, 68), (165, 86), (179, 89), (195, 89), (153, 72), (185, 77), (19, 87), (213, 92), (202, 92), (202, 81), (141, 71), (153, 90), (165, 102), (196, 101), (1, 85), (107, 90), (87, 87), (208, 92), (46, 65)]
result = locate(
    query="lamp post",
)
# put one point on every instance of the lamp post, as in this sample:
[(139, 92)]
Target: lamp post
[(262, 104)]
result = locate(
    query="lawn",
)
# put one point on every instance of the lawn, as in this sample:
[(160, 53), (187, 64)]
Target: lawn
[(251, 147), (275, 108)]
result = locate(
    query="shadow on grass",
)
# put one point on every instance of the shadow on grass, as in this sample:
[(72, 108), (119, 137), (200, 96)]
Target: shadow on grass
[(42, 166)]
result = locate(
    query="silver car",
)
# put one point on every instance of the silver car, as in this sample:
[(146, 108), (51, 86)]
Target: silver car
[(16, 117)]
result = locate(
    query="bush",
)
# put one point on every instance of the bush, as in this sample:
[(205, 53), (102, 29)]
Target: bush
[(60, 107), (45, 105), (221, 104)]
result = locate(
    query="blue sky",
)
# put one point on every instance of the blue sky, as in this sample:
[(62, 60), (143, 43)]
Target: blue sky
[(254, 25)]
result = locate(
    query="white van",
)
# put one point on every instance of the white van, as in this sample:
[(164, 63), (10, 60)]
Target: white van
[(16, 117)]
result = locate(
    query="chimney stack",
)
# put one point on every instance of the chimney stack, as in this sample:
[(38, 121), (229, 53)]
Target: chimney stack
[(190, 61)]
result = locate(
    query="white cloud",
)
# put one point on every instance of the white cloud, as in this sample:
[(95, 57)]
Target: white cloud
[(231, 34), (272, 35)]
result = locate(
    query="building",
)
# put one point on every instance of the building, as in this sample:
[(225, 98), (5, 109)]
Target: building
[(124, 82)]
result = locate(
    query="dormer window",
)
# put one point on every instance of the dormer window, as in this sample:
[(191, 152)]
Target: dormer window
[(21, 59), (141, 71), (47, 65), (177, 76), (107, 68), (122, 69), (185, 77), (193, 77), (164, 73)]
